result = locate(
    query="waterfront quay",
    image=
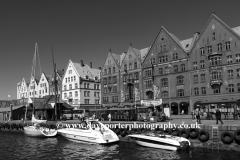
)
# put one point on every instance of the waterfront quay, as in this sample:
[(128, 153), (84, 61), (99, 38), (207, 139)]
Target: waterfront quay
[(205, 135)]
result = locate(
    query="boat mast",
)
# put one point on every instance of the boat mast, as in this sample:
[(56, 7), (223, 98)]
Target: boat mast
[(55, 83), (34, 65)]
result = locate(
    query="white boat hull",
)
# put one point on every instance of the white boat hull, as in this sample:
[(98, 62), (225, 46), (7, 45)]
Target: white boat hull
[(161, 141), (32, 131), (90, 134)]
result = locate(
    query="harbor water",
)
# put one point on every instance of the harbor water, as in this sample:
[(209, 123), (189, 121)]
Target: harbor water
[(15, 145)]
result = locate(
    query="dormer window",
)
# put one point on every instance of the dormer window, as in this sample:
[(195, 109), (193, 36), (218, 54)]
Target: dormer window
[(96, 78), (87, 77), (219, 46), (228, 45), (209, 49)]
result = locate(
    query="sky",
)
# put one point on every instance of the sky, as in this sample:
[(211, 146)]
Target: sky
[(87, 29)]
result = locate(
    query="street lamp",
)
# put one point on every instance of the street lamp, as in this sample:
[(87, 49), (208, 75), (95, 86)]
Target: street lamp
[(169, 95)]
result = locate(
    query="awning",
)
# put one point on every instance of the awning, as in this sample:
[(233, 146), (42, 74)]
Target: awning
[(220, 101), (67, 106), (8, 109)]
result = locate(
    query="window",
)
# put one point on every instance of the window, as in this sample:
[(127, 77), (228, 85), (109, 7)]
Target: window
[(183, 67), (196, 91), (88, 85), (180, 93), (114, 80), (114, 89), (194, 65), (96, 101), (216, 75), (213, 36), (86, 101), (175, 56), (65, 87), (70, 72), (216, 90), (113, 69), (230, 73), (180, 80), (104, 82), (109, 70), (202, 77), (164, 48), (130, 65), (219, 46), (148, 73), (109, 80), (209, 49), (228, 45), (74, 78), (167, 70), (238, 73), (165, 94), (195, 78), (70, 94), (238, 86), (237, 57), (215, 60), (76, 85), (203, 90), (105, 71), (202, 51), (66, 80), (65, 95), (231, 88), (70, 86), (135, 65), (152, 61), (125, 67), (175, 68), (164, 82), (76, 93), (148, 83), (124, 78), (130, 56), (105, 90), (136, 76), (202, 64), (229, 59), (160, 71)]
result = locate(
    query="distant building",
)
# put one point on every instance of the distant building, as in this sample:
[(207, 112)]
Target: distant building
[(81, 86)]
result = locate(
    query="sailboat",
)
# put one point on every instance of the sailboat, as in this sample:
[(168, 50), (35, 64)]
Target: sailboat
[(36, 130)]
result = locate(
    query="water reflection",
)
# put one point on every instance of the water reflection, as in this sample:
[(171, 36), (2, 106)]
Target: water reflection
[(15, 145)]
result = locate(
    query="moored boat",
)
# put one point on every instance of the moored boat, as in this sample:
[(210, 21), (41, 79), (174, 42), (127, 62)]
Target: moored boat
[(37, 131), (167, 142), (91, 131)]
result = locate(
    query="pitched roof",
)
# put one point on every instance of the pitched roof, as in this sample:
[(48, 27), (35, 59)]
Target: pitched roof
[(237, 30), (121, 58), (61, 73), (85, 70), (144, 52), (186, 44)]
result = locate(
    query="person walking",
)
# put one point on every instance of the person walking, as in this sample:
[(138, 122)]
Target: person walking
[(197, 112), (109, 117), (218, 116), (182, 112), (193, 115)]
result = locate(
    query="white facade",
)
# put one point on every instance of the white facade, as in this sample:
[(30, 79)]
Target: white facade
[(43, 86), (22, 89), (78, 85), (33, 88)]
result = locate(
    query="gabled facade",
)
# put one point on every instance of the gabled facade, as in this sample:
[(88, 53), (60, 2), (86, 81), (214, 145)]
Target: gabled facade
[(165, 72), (22, 89), (81, 86), (33, 87), (131, 75), (215, 66), (110, 79), (43, 86)]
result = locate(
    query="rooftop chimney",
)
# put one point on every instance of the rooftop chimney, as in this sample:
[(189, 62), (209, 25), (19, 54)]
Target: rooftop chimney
[(62, 69), (110, 50), (90, 64), (82, 63), (100, 68), (131, 44)]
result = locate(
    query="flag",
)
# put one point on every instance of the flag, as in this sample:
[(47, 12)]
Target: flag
[(122, 96), (137, 94), (156, 91)]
